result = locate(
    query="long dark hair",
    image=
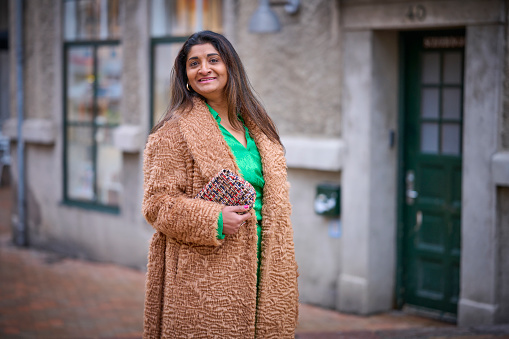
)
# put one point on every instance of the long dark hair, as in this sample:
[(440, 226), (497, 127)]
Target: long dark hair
[(239, 93)]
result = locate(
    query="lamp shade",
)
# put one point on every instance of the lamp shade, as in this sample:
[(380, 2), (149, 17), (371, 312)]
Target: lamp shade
[(264, 20)]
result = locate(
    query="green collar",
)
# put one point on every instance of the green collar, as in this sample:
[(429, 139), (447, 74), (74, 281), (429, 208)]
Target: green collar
[(214, 113), (217, 117)]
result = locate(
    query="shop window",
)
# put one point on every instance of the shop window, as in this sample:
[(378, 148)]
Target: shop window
[(92, 92), (172, 21)]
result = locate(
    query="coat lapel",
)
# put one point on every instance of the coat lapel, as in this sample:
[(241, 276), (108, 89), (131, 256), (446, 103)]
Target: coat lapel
[(205, 141), (275, 192)]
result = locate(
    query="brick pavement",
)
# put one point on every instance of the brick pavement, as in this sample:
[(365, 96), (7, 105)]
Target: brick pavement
[(45, 295)]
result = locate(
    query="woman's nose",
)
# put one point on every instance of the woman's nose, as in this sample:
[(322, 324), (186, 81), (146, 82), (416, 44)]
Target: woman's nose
[(204, 68)]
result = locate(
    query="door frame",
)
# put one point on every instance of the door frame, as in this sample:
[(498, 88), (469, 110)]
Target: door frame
[(362, 287), (401, 185)]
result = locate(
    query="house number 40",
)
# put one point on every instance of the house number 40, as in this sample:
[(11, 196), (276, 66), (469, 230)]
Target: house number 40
[(416, 13)]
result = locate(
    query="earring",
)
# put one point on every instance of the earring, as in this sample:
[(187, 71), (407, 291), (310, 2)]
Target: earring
[(187, 86)]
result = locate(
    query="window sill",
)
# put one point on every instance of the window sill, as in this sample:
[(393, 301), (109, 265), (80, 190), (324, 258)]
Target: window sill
[(91, 206), (35, 131), (314, 153)]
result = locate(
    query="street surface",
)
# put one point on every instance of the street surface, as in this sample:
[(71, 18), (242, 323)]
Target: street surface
[(47, 295)]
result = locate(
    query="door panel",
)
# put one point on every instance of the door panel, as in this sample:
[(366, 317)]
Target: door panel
[(431, 157)]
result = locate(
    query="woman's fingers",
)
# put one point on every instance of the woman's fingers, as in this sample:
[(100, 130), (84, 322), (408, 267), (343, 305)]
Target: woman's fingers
[(232, 220), (238, 209)]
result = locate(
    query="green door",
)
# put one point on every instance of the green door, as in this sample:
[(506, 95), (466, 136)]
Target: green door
[(430, 216)]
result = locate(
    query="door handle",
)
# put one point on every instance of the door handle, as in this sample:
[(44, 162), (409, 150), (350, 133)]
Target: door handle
[(411, 193)]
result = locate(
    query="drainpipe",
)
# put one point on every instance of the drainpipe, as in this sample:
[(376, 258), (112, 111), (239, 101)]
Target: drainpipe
[(20, 237)]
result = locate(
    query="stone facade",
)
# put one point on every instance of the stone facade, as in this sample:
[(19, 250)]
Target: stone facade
[(330, 80)]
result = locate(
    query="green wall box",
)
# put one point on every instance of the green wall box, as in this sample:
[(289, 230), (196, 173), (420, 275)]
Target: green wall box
[(328, 200)]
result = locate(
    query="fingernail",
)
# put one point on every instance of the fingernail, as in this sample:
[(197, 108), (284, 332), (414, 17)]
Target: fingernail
[(246, 206)]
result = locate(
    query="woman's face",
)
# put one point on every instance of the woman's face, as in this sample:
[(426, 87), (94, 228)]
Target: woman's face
[(206, 71)]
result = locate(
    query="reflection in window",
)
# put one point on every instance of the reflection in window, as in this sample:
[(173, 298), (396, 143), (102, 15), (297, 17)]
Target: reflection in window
[(91, 19), (80, 80), (453, 66), (178, 17), (430, 68), (109, 87), (429, 138), (451, 103), (451, 139), (80, 168), (163, 54), (172, 22), (429, 103)]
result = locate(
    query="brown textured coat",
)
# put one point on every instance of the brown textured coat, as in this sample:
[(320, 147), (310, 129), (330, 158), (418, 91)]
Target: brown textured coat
[(198, 286)]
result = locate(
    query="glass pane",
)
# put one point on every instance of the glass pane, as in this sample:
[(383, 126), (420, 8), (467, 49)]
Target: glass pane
[(430, 67), (452, 67), (178, 17), (91, 19), (429, 138), (429, 103), (109, 161), (451, 139), (80, 81), (80, 169), (163, 63), (451, 103), (109, 85), (173, 17), (213, 15)]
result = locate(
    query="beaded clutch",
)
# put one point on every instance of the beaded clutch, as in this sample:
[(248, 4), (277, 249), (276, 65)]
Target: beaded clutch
[(228, 189)]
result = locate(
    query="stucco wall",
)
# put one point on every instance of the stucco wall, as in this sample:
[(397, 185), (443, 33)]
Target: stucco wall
[(505, 115), (317, 239), (297, 72)]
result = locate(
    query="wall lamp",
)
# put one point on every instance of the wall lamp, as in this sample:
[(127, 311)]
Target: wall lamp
[(264, 20)]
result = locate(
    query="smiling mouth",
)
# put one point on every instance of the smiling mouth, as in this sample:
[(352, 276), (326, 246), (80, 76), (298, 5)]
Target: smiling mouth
[(206, 79)]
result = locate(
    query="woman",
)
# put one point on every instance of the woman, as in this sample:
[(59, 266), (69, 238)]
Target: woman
[(216, 271)]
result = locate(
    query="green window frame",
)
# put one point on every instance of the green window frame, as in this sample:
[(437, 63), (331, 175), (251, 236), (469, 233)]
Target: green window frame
[(92, 91)]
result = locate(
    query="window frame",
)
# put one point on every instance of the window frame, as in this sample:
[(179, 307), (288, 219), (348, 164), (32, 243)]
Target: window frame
[(91, 204)]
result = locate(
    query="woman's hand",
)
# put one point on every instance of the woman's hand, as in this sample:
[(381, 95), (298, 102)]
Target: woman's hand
[(232, 220)]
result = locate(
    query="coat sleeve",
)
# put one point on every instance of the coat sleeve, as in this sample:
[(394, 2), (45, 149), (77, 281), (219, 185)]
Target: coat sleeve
[(166, 206)]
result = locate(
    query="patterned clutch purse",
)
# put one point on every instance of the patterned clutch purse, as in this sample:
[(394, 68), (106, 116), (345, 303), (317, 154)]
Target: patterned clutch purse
[(228, 189)]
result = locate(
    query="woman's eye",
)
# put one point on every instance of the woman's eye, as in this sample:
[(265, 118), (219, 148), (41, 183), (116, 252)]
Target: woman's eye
[(214, 61), (193, 63)]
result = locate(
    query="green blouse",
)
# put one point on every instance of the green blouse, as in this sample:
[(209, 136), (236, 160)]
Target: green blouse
[(250, 166)]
